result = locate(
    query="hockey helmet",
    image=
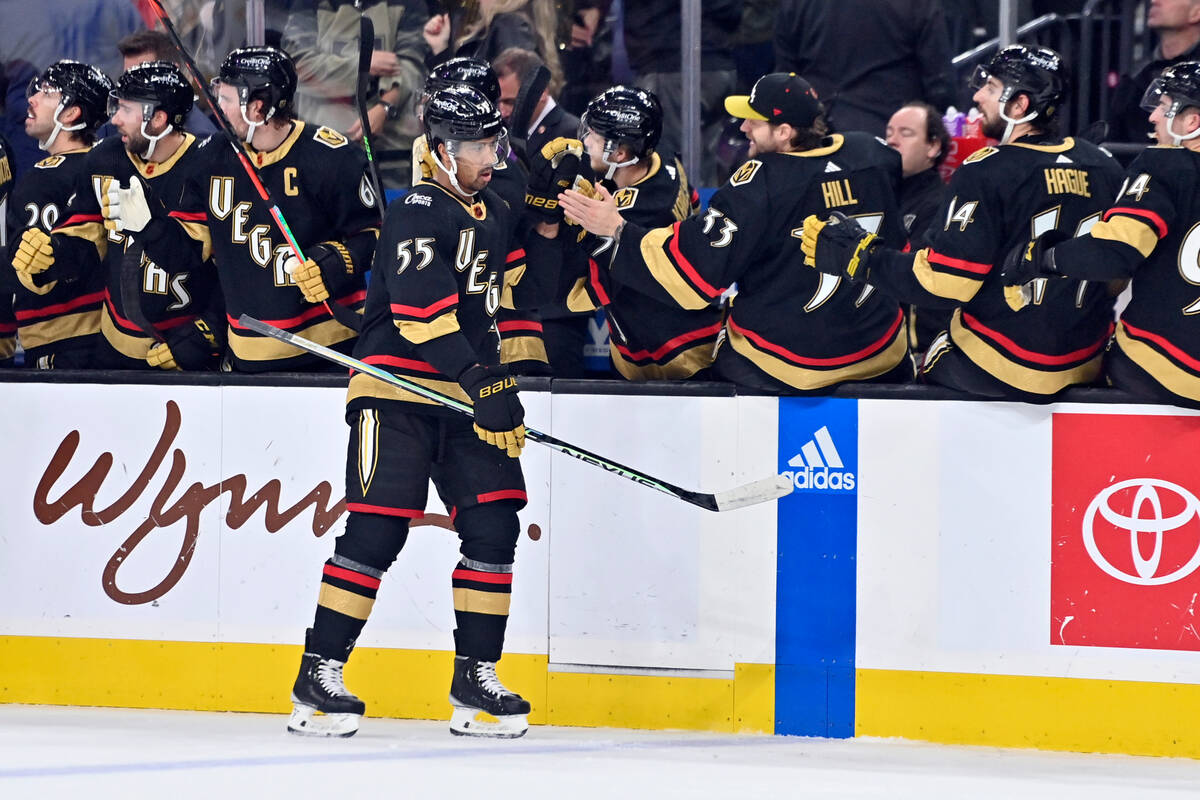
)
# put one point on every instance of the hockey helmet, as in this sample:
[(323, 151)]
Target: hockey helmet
[(80, 85), (1036, 72), (158, 86), (624, 116), (1181, 83), (261, 73), (457, 116), (464, 69)]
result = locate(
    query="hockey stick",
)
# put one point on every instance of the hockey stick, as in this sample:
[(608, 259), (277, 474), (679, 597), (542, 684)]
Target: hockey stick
[(131, 294), (533, 83), (366, 46), (342, 314), (760, 491)]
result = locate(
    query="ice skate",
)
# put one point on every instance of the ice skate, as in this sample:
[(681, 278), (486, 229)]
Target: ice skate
[(482, 706), (322, 704)]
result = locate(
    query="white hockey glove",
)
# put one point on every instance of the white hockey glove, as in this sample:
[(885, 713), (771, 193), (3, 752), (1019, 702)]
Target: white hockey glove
[(129, 210)]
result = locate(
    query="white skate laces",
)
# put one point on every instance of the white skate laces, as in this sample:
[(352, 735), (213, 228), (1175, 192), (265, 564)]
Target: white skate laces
[(329, 675), (485, 674)]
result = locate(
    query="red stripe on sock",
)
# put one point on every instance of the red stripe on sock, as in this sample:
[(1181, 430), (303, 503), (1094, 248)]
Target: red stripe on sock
[(482, 577), (353, 577)]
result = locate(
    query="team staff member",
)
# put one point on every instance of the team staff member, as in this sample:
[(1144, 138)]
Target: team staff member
[(160, 308), (789, 329), (1035, 181), (1148, 235), (58, 321), (449, 261)]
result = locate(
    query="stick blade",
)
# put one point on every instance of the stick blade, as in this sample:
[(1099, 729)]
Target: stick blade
[(750, 494)]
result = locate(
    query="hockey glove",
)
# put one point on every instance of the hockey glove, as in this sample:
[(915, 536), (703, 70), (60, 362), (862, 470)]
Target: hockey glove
[(188, 347), (324, 264), (838, 246), (34, 253), (423, 163), (552, 170), (499, 418), (130, 210), (1027, 262)]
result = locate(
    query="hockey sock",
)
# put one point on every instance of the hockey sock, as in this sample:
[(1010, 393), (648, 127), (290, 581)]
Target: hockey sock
[(482, 580), (350, 582)]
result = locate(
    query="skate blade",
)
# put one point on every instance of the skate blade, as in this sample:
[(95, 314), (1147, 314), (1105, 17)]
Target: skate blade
[(307, 721), (473, 722)]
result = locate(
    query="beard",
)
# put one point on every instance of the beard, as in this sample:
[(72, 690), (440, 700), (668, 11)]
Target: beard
[(137, 144), (994, 127)]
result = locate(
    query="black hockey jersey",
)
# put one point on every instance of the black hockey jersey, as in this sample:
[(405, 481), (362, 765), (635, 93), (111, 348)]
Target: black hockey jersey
[(173, 286), (802, 328), (318, 178), (445, 266), (60, 314), (649, 339), (8, 322), (1150, 234), (998, 199)]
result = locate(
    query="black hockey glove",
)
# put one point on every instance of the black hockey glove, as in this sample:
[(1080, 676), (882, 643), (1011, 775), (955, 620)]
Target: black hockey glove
[(499, 417), (552, 170), (188, 347), (1027, 262), (838, 246)]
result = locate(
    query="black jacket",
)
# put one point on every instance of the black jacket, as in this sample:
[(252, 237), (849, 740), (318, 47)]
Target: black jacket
[(1127, 121), (652, 34), (557, 123)]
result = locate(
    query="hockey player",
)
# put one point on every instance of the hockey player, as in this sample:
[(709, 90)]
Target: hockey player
[(160, 309), (1149, 235), (8, 321), (58, 321), (650, 340), (450, 261), (319, 181), (1035, 181), (789, 329)]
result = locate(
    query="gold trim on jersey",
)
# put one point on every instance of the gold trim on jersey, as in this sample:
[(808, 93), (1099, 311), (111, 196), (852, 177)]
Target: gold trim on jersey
[(523, 348), (1036, 381), (578, 299), (1066, 145), (8, 346), (338, 599), (664, 271), (475, 208), (942, 284), (655, 166), (363, 385), (264, 348), (152, 169), (266, 158), (1162, 369), (1130, 231), (477, 602), (128, 345), (421, 332), (68, 326), (837, 141), (684, 365), (512, 277), (198, 231), (368, 447), (804, 378), (344, 252)]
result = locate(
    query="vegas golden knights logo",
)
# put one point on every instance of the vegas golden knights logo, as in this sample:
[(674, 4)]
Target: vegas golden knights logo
[(745, 173), (625, 197), (330, 137)]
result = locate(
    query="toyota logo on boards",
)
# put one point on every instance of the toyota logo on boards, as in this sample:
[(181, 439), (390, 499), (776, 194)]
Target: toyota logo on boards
[(1125, 531)]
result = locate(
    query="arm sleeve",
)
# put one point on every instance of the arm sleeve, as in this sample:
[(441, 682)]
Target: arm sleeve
[(8, 329), (182, 239), (532, 270), (79, 240), (354, 224)]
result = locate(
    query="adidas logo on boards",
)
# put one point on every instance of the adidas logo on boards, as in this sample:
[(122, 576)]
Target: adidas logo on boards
[(819, 465)]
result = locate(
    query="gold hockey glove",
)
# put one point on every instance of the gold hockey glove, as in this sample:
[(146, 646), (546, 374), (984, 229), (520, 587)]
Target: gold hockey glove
[(838, 246), (188, 347), (34, 254), (324, 264), (499, 417)]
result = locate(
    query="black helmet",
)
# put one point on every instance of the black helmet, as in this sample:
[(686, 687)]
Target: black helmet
[(460, 113), (261, 73), (1037, 72), (81, 85), (158, 86), (624, 115), (1180, 82), (464, 69)]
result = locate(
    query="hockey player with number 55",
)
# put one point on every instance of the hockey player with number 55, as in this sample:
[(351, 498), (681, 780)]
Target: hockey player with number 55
[(448, 259)]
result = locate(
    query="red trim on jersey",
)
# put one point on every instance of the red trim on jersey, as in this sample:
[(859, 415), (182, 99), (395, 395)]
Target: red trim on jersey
[(1172, 350), (77, 219), (1155, 220), (425, 312), (8, 328), (502, 494), (503, 578), (60, 308), (515, 255), (161, 325), (958, 263), (682, 339), (402, 363), (363, 508), (685, 265), (353, 577), (1008, 344), (907, 247), (836, 361), (519, 325), (594, 280), (315, 311), (189, 216)]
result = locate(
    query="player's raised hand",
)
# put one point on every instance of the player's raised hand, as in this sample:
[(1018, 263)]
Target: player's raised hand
[(552, 169), (129, 210), (838, 246), (597, 214)]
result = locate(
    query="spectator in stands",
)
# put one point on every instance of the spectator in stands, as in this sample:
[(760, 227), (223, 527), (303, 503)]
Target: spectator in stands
[(494, 26), (652, 31), (916, 132), (587, 54), (1177, 23), (860, 55), (323, 40), (549, 120), (142, 47)]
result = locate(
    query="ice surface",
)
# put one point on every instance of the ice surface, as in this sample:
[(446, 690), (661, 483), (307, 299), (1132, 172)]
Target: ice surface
[(53, 752)]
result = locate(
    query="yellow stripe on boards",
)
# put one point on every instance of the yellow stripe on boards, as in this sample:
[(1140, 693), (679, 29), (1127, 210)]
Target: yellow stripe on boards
[(1154, 719)]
